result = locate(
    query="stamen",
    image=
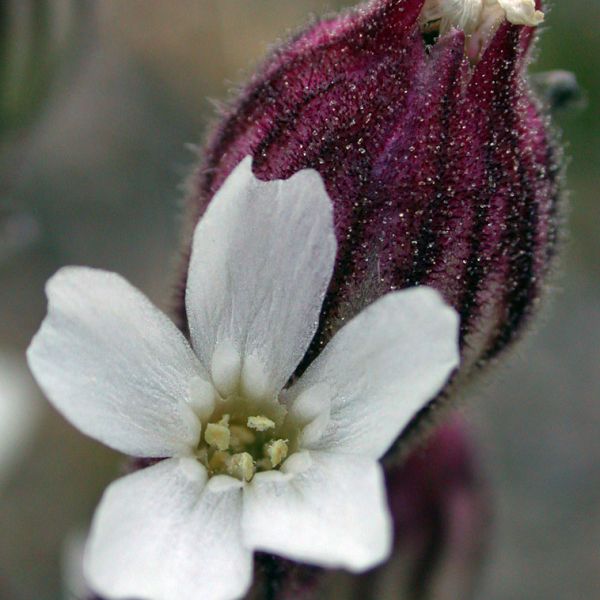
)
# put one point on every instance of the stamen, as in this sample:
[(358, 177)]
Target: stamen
[(239, 445), (276, 451), (219, 462), (241, 466), (260, 423), (217, 436), (240, 437)]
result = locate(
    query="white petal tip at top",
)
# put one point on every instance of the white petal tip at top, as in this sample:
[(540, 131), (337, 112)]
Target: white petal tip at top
[(247, 465)]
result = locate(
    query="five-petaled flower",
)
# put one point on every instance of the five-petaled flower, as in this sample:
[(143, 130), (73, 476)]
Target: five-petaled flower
[(249, 464)]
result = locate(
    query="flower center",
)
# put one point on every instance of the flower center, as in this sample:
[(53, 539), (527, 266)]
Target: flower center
[(240, 442)]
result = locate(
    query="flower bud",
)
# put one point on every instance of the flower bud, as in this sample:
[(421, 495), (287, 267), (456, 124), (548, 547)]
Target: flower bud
[(439, 163)]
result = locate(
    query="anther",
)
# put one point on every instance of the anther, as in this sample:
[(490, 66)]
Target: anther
[(219, 462), (276, 451), (260, 423), (217, 436), (241, 466), (241, 437)]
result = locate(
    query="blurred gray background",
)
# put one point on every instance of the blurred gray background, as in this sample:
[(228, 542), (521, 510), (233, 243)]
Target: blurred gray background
[(97, 118)]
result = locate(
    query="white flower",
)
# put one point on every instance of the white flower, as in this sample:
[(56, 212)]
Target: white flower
[(479, 18), (247, 466), (468, 15)]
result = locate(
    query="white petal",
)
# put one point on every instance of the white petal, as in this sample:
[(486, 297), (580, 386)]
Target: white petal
[(522, 12), (114, 365), (161, 533), (261, 261), (202, 398), (463, 14), (382, 368), (311, 410), (333, 514)]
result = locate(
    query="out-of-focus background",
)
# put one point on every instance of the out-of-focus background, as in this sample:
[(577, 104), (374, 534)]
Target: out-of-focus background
[(100, 106)]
